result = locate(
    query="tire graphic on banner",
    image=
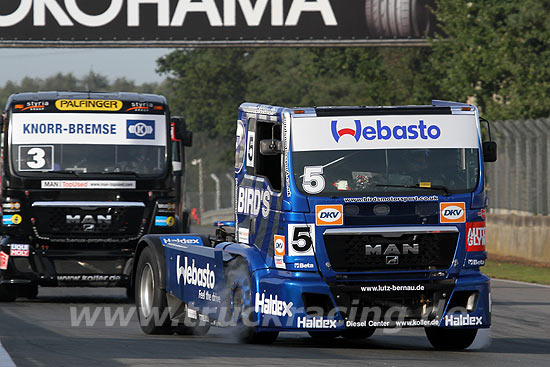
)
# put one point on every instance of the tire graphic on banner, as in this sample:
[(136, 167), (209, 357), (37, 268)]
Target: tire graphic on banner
[(399, 18)]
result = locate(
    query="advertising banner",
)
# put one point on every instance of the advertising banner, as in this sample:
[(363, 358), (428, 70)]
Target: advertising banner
[(163, 23)]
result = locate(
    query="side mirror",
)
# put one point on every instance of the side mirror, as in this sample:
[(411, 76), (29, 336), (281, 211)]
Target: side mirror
[(489, 151), (271, 147), (180, 131)]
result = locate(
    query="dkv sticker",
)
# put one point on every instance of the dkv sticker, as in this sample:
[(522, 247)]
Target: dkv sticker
[(329, 215), (452, 212)]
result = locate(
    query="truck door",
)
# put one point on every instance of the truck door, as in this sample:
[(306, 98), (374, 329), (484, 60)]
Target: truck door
[(259, 185)]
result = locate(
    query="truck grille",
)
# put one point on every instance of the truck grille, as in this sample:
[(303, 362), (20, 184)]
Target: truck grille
[(371, 252), (63, 222)]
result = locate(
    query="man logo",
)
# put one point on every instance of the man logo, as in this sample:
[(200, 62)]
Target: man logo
[(140, 129), (329, 215), (452, 212)]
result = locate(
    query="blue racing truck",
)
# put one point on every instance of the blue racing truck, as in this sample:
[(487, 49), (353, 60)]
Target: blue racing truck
[(347, 219)]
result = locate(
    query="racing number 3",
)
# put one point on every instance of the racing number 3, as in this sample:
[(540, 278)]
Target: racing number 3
[(314, 182), (38, 160)]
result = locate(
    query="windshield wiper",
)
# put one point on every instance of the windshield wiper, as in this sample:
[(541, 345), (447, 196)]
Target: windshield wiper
[(417, 186)]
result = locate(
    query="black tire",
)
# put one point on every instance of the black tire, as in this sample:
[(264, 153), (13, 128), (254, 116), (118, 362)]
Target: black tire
[(357, 334), (8, 293), (238, 290), (131, 293), (150, 299), (324, 336), (450, 339), (29, 291)]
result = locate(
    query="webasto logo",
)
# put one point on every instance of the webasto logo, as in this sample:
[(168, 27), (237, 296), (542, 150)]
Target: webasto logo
[(201, 277), (383, 132)]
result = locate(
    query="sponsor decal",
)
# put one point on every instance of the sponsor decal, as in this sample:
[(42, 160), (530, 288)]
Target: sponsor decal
[(88, 128), (32, 106), (19, 250), (390, 131), (88, 105), (181, 241), (380, 131), (392, 249), (315, 323), (475, 236), (192, 275), (169, 207), (463, 320), (402, 323), (482, 213), (251, 201), (392, 288), (272, 306), (476, 262), (89, 278), (4, 258), (391, 199), (452, 212), (303, 266), (279, 244), (243, 235), (10, 220), (250, 149), (279, 262), (11, 206), (329, 215), (62, 184), (240, 148), (161, 221), (301, 239), (140, 129)]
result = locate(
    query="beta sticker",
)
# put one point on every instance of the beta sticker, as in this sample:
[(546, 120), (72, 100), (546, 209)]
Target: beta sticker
[(9, 220), (452, 212), (279, 244), (329, 215), (475, 236)]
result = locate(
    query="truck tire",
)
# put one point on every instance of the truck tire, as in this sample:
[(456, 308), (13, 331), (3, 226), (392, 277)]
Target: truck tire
[(399, 18), (151, 303), (8, 293), (450, 339), (238, 290), (29, 291)]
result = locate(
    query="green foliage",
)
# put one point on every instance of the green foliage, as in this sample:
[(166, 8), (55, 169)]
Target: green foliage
[(497, 52), (68, 82)]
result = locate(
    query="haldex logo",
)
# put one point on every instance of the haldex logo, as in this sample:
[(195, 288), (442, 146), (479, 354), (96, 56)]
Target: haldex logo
[(192, 275), (379, 131), (272, 306)]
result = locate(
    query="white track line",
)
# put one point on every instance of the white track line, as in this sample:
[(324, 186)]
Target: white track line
[(5, 359), (517, 282)]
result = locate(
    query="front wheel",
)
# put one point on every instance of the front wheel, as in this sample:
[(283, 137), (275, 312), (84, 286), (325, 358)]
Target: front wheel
[(151, 303), (8, 293), (239, 304), (450, 339)]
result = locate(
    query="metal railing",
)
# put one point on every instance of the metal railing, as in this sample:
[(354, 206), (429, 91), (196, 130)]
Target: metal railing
[(518, 182)]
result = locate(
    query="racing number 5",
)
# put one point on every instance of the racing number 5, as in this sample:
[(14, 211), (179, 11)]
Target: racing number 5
[(301, 239), (314, 182)]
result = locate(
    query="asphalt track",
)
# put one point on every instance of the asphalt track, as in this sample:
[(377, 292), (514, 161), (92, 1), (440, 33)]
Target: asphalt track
[(39, 333)]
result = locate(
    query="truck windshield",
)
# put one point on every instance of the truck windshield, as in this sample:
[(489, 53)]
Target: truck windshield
[(88, 143), (390, 170), (341, 156)]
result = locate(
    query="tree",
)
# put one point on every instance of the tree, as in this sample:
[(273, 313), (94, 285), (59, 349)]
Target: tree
[(496, 52)]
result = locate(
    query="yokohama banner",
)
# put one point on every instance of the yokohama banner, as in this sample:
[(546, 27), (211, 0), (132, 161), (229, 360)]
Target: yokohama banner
[(161, 23)]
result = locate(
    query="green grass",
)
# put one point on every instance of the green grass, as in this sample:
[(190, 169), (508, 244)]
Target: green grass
[(512, 271)]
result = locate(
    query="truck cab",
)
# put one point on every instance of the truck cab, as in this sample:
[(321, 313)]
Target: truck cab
[(347, 220), (84, 176)]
